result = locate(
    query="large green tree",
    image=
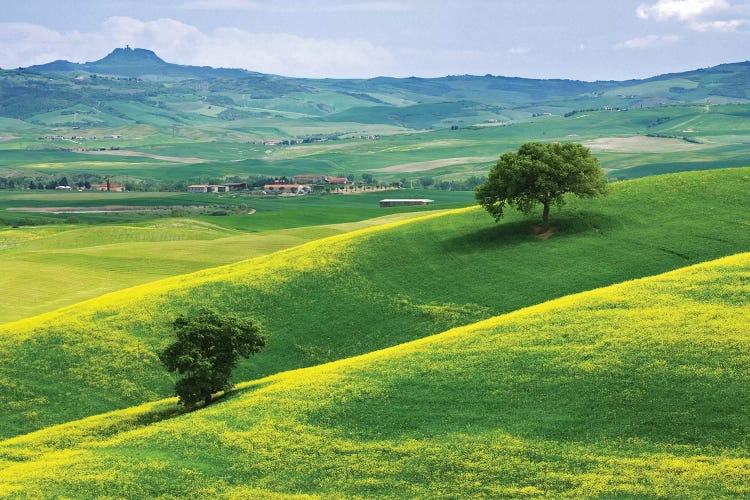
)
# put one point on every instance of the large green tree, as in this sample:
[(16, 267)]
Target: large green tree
[(206, 351), (541, 174)]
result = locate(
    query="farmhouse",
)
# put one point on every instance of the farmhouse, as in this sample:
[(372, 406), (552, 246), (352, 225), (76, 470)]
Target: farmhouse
[(287, 188), (108, 186), (337, 180), (404, 202), (319, 179)]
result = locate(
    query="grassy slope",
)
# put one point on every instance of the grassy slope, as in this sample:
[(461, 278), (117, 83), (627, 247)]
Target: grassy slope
[(359, 292), (50, 267), (638, 389)]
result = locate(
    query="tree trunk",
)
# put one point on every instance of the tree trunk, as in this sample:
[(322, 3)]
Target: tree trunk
[(545, 216)]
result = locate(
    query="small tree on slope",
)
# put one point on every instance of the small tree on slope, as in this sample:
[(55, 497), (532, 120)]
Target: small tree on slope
[(206, 351), (541, 173)]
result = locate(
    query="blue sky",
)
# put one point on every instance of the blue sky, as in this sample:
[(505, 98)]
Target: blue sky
[(581, 39)]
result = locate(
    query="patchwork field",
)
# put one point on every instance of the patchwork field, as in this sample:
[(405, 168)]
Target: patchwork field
[(630, 144), (632, 390)]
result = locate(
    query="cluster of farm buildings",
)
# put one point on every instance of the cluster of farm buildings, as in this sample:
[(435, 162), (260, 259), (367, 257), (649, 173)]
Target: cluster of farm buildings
[(301, 184)]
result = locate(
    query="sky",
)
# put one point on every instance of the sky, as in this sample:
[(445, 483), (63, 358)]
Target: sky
[(571, 39)]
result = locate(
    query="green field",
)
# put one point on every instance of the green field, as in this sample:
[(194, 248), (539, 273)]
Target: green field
[(58, 264), (228, 210), (363, 291), (635, 390), (78, 263)]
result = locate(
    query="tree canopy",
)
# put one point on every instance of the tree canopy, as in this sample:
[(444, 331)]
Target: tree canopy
[(206, 351), (541, 173)]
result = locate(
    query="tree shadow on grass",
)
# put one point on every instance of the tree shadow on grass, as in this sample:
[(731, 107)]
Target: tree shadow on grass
[(160, 415), (505, 234), (168, 411), (236, 392)]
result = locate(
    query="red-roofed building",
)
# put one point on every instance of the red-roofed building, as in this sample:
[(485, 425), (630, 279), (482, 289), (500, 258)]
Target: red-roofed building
[(337, 180), (107, 186)]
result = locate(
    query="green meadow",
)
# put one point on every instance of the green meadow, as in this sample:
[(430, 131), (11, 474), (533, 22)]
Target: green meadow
[(634, 390), (83, 262), (367, 290), (74, 257), (238, 211)]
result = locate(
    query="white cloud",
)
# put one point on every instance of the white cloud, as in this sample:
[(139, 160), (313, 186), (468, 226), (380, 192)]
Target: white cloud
[(682, 10), (291, 55), (722, 26), (24, 44), (174, 41), (648, 42)]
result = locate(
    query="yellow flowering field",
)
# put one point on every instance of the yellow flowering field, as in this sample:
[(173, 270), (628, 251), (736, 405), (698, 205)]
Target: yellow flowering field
[(637, 389)]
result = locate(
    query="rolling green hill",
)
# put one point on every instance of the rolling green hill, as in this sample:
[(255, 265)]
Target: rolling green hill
[(635, 390), (629, 144), (367, 290), (728, 81), (52, 266)]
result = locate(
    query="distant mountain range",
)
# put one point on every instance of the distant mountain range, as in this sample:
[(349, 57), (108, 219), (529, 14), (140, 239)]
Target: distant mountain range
[(135, 86), (139, 63)]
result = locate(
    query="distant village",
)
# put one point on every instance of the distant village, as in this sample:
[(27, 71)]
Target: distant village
[(298, 185)]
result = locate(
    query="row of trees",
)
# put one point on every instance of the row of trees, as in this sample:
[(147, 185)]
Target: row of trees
[(41, 181), (84, 181), (427, 182)]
